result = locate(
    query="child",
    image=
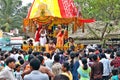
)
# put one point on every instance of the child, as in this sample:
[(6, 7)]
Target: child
[(114, 74), (18, 73)]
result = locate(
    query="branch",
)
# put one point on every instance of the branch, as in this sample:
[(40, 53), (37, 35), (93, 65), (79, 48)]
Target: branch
[(92, 31), (104, 30)]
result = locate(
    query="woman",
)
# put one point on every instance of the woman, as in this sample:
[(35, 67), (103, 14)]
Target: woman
[(74, 64), (66, 70), (84, 71)]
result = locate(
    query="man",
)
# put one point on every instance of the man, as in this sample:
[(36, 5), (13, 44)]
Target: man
[(8, 72), (45, 69), (107, 67), (18, 53), (56, 68), (96, 69), (116, 61), (48, 62), (35, 74)]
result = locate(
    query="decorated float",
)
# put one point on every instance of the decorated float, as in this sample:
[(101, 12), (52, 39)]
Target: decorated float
[(52, 13)]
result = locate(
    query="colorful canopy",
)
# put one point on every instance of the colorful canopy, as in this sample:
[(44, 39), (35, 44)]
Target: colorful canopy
[(55, 8)]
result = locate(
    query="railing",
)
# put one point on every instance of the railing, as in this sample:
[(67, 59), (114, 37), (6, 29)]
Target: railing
[(39, 48)]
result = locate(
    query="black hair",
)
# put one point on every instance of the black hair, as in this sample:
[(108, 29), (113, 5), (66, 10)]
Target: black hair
[(56, 58), (91, 57), (21, 61), (118, 53), (20, 51), (66, 65), (17, 65), (36, 53), (9, 60), (95, 57), (19, 57), (61, 77), (48, 55), (103, 55), (6, 56), (30, 57), (30, 51), (115, 71), (24, 42), (84, 62), (35, 64), (112, 56), (100, 50), (41, 58), (72, 56)]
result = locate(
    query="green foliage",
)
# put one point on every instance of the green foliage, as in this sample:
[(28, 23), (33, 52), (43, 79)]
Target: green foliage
[(104, 10), (11, 14)]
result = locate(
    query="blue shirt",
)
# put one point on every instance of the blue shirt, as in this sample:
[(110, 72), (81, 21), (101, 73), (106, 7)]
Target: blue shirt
[(36, 75), (115, 77)]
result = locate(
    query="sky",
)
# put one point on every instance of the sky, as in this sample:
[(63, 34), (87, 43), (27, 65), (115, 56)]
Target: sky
[(25, 2)]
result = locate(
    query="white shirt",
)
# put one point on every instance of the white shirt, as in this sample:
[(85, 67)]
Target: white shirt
[(106, 66), (7, 74), (49, 63), (12, 55), (36, 75), (17, 55), (18, 75)]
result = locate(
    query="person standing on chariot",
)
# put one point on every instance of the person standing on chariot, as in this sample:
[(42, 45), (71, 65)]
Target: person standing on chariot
[(43, 36), (60, 37)]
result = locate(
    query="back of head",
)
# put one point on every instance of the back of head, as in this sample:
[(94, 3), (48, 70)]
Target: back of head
[(41, 58), (84, 62), (95, 57), (66, 65), (103, 55), (35, 64), (48, 55), (30, 57), (61, 77), (19, 57), (91, 57), (72, 55), (115, 71), (118, 54), (35, 53), (56, 58), (21, 61)]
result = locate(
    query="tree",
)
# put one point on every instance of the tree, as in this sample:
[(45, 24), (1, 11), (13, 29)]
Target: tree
[(11, 14), (106, 11)]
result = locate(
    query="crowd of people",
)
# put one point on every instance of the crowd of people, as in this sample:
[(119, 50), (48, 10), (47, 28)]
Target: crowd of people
[(90, 63), (53, 63)]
